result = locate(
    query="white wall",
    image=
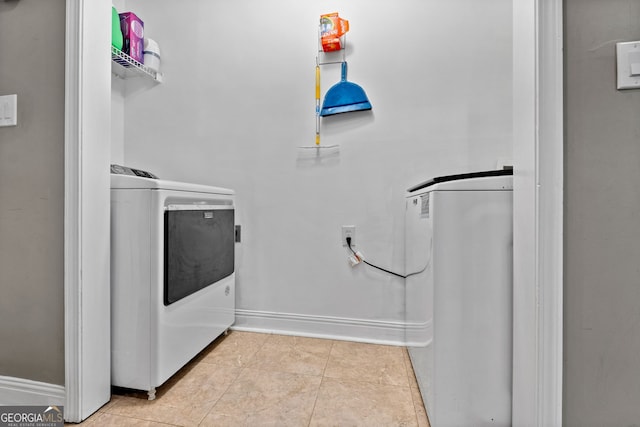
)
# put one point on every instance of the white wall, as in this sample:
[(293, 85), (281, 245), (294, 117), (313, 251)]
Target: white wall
[(238, 99)]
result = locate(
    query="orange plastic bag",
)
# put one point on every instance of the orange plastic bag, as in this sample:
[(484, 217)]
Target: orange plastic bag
[(332, 27)]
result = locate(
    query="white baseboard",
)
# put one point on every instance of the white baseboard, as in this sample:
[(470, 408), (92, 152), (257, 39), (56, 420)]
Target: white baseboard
[(338, 328), (20, 391)]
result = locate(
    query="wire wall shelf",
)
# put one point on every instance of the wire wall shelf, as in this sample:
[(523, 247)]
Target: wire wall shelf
[(124, 66)]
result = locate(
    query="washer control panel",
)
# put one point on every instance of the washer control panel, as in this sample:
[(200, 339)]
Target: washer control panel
[(124, 170)]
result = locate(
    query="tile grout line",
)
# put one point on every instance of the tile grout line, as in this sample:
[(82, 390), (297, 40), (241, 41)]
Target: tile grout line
[(409, 369), (146, 420), (221, 395), (242, 369), (315, 401)]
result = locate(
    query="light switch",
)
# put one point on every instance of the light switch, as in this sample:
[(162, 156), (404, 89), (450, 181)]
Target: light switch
[(634, 63), (628, 65), (9, 110)]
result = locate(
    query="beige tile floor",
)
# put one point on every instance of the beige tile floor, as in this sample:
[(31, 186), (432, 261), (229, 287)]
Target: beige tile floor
[(252, 379)]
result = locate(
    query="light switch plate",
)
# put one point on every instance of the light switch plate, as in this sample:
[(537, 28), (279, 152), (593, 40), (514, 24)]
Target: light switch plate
[(628, 65), (9, 110)]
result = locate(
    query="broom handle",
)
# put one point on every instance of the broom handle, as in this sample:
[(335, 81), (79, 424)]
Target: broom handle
[(343, 74), (317, 105)]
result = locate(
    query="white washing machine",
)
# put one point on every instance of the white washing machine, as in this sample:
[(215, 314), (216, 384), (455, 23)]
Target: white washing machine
[(459, 309), (172, 274)]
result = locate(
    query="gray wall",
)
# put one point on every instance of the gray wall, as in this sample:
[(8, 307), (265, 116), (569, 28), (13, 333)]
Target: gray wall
[(32, 191), (602, 219)]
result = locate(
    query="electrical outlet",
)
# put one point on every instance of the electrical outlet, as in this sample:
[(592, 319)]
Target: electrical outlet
[(349, 231)]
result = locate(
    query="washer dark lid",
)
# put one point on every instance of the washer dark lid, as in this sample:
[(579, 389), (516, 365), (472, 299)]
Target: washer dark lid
[(124, 170), (438, 179)]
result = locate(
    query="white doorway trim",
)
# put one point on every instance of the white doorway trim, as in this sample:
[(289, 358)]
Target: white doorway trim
[(86, 235), (72, 224), (538, 212)]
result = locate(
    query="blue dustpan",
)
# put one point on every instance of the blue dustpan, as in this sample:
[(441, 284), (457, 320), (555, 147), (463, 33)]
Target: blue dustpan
[(344, 97)]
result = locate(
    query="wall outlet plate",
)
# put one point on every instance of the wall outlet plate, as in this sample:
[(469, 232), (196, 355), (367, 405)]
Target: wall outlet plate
[(349, 231)]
